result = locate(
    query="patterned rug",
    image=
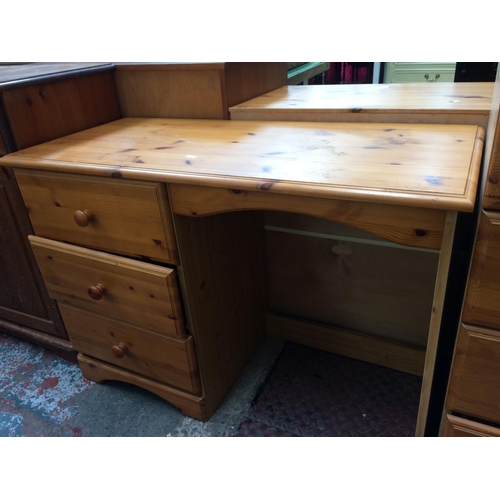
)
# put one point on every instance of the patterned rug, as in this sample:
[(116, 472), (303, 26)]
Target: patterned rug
[(316, 393)]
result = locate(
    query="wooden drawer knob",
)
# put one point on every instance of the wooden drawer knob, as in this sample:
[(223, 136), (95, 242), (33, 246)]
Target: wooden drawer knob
[(119, 350), (83, 217), (96, 291)]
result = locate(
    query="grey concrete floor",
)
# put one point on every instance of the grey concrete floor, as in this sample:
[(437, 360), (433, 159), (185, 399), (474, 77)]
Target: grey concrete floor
[(29, 406), (116, 409)]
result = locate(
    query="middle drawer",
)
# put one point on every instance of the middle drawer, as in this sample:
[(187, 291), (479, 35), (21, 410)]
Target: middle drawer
[(482, 300), (133, 292)]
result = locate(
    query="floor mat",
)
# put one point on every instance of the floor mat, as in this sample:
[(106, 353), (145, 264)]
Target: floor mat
[(316, 393)]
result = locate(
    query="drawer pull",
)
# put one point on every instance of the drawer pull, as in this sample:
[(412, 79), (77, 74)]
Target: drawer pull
[(119, 350), (436, 76), (83, 217), (96, 291)]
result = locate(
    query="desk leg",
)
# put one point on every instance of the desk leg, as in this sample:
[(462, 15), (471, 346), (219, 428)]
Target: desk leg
[(435, 323)]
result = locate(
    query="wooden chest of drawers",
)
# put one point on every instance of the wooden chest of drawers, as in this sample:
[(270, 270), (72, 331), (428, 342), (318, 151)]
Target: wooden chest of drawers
[(407, 72), (40, 102), (473, 400)]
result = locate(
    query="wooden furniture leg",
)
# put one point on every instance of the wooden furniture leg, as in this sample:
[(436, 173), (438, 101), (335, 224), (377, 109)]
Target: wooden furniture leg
[(435, 323)]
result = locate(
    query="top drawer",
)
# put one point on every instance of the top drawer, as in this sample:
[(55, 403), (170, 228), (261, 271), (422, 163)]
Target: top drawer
[(123, 216)]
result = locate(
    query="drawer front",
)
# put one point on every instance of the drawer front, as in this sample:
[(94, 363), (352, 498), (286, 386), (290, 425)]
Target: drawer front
[(462, 427), (122, 216), (482, 299), (166, 360), (138, 293), (491, 199), (475, 377), (419, 72)]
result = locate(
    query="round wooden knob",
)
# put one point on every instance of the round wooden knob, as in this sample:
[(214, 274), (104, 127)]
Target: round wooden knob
[(96, 291), (119, 350), (83, 217)]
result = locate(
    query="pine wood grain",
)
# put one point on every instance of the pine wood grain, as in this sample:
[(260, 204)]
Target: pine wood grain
[(352, 285), (191, 405), (474, 382), (167, 360), (398, 356), (184, 93), (417, 227), (222, 256), (138, 293), (129, 217), (44, 111), (223, 280), (439, 295), (445, 103), (24, 300), (462, 103), (482, 298), (243, 81), (462, 427), (430, 166), (492, 179), (192, 90), (39, 102), (473, 387)]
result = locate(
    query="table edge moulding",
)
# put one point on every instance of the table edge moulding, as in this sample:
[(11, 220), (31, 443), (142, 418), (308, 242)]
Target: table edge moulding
[(462, 102)]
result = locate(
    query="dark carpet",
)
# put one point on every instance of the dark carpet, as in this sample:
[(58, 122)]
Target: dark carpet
[(316, 393)]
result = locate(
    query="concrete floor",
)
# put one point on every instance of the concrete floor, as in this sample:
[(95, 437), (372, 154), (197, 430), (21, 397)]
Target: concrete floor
[(44, 395)]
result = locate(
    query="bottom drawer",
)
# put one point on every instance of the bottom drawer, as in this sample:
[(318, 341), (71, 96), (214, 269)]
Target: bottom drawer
[(167, 360), (461, 427)]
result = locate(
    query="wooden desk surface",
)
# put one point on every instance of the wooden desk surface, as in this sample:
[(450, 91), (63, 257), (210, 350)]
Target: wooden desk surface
[(430, 166), (329, 100)]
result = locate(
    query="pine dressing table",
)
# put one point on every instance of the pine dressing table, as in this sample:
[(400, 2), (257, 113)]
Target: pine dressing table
[(150, 234)]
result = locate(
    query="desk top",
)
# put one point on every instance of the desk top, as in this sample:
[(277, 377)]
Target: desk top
[(383, 98), (432, 166)]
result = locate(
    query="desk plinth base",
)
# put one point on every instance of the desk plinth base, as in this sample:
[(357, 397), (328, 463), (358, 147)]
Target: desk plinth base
[(190, 405)]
